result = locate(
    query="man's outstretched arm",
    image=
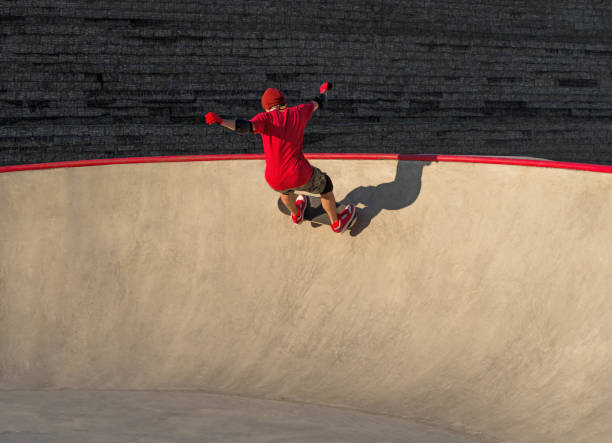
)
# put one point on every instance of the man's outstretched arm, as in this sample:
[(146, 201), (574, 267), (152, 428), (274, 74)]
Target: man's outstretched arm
[(320, 101), (240, 126)]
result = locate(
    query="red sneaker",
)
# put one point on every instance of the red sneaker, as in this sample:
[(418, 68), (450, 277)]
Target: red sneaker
[(302, 204), (345, 219)]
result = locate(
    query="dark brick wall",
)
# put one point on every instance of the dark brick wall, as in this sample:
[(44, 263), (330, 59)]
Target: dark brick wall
[(83, 80)]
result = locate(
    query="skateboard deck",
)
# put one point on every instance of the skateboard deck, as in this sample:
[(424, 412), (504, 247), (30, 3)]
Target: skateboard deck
[(314, 212)]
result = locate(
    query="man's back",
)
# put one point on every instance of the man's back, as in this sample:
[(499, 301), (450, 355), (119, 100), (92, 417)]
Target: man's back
[(282, 133)]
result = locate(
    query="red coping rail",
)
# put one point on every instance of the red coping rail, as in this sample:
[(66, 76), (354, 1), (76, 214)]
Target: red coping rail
[(404, 157)]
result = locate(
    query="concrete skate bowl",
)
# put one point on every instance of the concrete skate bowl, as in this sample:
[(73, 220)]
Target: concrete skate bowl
[(171, 301)]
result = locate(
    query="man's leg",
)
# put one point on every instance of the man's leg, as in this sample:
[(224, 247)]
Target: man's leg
[(328, 201), (289, 201)]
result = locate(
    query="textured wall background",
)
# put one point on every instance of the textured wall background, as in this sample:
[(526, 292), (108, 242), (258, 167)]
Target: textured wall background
[(84, 80)]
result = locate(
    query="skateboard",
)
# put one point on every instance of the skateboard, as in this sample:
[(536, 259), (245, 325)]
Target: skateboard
[(314, 212)]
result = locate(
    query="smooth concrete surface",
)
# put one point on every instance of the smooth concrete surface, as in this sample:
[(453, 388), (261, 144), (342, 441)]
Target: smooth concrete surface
[(160, 417), (472, 298)]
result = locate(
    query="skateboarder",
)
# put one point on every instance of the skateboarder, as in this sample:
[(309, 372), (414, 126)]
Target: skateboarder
[(287, 170)]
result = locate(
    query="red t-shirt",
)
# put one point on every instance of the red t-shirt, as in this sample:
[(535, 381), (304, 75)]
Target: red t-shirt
[(282, 133)]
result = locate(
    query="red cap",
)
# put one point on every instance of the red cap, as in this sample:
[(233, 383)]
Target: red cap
[(272, 97)]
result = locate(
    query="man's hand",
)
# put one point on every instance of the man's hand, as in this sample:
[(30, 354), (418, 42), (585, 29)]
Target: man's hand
[(321, 100), (325, 87), (240, 126), (212, 118)]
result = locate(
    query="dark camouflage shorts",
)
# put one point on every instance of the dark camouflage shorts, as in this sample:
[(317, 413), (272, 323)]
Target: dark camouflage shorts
[(316, 185)]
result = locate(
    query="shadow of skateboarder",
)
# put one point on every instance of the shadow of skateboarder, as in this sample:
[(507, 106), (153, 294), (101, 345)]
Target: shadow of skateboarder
[(392, 196)]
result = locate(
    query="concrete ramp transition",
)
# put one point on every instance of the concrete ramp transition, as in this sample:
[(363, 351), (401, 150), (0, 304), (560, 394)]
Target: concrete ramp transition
[(472, 299)]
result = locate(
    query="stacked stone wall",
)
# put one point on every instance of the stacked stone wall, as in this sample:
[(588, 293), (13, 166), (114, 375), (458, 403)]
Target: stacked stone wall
[(84, 80)]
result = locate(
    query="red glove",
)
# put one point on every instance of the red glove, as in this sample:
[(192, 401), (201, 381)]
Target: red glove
[(212, 118), (325, 86)]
